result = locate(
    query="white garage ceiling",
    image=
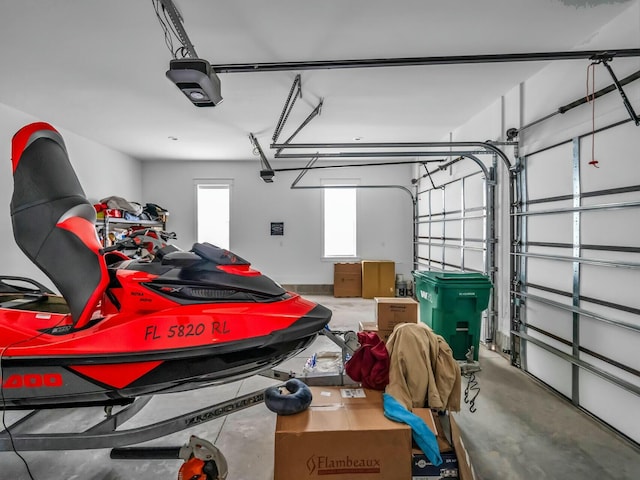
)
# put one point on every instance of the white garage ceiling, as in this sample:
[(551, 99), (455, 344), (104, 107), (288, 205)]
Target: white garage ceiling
[(97, 67)]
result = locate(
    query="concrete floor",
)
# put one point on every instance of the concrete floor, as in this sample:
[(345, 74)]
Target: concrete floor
[(520, 431)]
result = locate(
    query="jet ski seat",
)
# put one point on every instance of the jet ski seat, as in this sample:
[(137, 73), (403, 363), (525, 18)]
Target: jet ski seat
[(53, 222)]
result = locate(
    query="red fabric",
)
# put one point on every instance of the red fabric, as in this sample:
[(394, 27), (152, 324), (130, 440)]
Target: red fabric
[(370, 363)]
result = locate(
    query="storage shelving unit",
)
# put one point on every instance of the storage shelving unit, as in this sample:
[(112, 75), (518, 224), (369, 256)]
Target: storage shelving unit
[(109, 224)]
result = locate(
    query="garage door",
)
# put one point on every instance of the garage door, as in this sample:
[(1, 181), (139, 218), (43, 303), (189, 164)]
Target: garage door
[(576, 322)]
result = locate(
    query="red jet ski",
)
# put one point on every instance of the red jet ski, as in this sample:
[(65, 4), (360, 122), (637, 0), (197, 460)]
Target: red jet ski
[(123, 327)]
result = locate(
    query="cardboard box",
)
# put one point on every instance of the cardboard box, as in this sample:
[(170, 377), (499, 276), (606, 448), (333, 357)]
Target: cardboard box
[(373, 327), (421, 466), (433, 422), (423, 469), (456, 464), (392, 311), (384, 334), (378, 278), (347, 280), (343, 435), (465, 469), (367, 326)]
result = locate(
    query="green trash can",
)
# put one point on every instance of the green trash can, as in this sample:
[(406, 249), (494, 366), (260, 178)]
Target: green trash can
[(452, 303)]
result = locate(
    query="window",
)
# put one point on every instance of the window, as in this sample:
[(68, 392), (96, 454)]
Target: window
[(212, 204), (339, 219)]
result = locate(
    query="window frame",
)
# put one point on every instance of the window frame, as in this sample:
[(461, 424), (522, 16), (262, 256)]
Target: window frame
[(215, 183), (339, 183)]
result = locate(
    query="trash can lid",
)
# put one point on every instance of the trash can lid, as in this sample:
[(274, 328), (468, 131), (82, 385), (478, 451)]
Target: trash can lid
[(451, 277)]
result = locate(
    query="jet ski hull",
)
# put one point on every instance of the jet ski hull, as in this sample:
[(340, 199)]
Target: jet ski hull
[(47, 371)]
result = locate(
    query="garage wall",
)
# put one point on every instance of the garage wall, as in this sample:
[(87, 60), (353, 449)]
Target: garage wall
[(384, 215), (102, 172), (594, 363)]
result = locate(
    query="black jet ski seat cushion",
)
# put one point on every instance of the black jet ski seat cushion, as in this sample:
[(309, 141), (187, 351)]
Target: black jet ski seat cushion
[(53, 222)]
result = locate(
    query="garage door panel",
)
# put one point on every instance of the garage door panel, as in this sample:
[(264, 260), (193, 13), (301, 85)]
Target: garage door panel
[(437, 200), (627, 193), (596, 282), (549, 368), (474, 228), (453, 197), (611, 403), (557, 275), (550, 228), (611, 227), (436, 229), (622, 258), (423, 203), (614, 314), (423, 251), (550, 205), (436, 252), (545, 295), (453, 229), (622, 140), (474, 191), (542, 184), (620, 373), (423, 228), (615, 343), (474, 260), (546, 251), (550, 319), (452, 255)]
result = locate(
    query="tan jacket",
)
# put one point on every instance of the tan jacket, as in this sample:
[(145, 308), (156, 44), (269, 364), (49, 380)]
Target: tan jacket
[(423, 372)]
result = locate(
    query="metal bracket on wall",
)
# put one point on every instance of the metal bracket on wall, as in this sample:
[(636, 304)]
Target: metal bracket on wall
[(266, 172), (513, 132), (288, 106), (314, 113), (294, 93), (485, 148), (605, 58), (310, 166)]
